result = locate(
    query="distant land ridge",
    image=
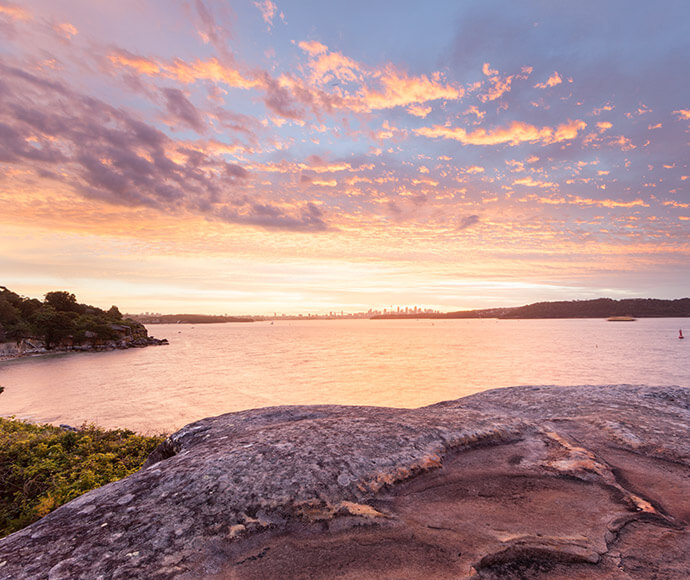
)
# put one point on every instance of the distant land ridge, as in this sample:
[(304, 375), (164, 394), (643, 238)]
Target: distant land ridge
[(186, 318), (597, 308)]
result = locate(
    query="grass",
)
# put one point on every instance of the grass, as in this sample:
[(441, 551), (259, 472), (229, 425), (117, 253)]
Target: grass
[(43, 466)]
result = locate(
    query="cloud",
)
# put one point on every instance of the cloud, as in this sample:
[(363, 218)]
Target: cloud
[(325, 182), (185, 72), (313, 47), (499, 86), (14, 11), (419, 110), (361, 89), (683, 114), (268, 11), (514, 134), (399, 90), (212, 32), (529, 182), (468, 221), (66, 30), (577, 200), (183, 110), (107, 154), (554, 79), (328, 67)]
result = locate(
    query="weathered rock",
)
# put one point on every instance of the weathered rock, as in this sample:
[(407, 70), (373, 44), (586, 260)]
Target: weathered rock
[(528, 482)]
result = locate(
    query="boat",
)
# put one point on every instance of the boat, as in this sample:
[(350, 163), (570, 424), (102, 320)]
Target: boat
[(621, 319)]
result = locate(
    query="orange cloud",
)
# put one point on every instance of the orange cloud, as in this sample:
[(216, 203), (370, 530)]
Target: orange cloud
[(474, 169), (683, 114), (66, 30), (313, 47), (554, 79), (140, 64), (610, 203), (325, 182), (383, 88), (401, 90), (211, 70), (326, 167), (623, 142), (604, 125), (185, 72), (419, 110), (488, 71), (516, 133), (473, 110), (499, 88), (529, 182), (15, 12), (334, 65), (576, 200)]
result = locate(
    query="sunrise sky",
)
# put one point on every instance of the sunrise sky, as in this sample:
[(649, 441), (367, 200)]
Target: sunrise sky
[(304, 156)]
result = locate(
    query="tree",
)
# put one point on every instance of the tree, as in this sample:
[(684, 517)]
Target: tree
[(114, 314), (52, 325), (63, 301)]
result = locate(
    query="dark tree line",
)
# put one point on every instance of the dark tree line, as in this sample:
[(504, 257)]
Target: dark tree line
[(56, 318)]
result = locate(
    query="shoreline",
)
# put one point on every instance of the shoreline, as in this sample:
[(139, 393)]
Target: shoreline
[(38, 351)]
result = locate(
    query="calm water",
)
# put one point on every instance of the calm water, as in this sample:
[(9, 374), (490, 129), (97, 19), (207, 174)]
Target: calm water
[(212, 369)]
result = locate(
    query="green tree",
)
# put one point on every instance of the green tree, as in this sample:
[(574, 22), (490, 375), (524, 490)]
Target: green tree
[(52, 325), (114, 314), (63, 301)]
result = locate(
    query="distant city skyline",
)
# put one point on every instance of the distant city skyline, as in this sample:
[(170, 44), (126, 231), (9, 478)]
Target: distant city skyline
[(308, 157)]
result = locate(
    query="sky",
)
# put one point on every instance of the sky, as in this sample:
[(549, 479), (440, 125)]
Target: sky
[(252, 157)]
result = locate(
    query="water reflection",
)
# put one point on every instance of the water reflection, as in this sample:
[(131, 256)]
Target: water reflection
[(212, 369)]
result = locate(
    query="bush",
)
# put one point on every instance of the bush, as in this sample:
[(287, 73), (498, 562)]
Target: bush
[(43, 467)]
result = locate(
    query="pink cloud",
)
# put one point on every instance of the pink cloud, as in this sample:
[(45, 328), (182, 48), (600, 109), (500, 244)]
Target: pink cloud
[(268, 11)]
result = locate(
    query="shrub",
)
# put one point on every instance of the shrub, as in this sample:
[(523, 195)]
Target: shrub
[(43, 466)]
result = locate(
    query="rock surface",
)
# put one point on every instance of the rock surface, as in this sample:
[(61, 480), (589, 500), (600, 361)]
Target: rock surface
[(527, 482)]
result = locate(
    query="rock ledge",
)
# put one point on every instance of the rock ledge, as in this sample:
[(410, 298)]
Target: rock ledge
[(527, 482)]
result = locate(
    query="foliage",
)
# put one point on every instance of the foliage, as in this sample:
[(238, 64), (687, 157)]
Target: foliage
[(43, 467), (59, 317)]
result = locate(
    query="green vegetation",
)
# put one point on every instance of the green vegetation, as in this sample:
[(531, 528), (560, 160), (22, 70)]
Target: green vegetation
[(60, 318), (43, 467)]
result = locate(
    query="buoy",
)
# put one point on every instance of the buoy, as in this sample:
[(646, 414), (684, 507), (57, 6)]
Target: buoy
[(680, 334)]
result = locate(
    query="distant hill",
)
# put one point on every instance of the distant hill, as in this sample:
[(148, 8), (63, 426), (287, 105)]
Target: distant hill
[(598, 308), (185, 318)]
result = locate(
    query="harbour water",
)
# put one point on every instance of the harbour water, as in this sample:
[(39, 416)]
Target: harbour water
[(212, 369)]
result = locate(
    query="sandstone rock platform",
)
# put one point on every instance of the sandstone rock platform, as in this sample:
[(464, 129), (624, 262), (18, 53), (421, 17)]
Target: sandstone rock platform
[(589, 482)]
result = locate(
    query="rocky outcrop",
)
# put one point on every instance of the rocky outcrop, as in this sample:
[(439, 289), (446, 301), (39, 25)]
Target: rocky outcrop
[(34, 346), (528, 482)]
